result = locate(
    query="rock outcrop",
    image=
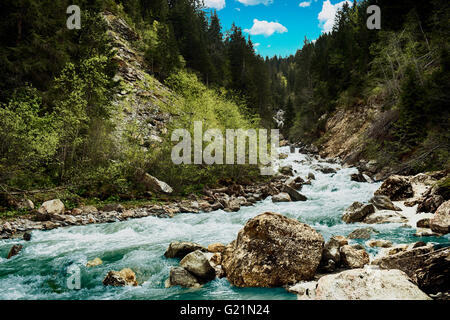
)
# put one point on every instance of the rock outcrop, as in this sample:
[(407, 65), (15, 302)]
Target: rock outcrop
[(272, 250)]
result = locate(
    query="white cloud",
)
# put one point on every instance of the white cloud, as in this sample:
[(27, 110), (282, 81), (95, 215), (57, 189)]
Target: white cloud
[(237, 9), (268, 46), (216, 4), (326, 16), (256, 45), (255, 2), (305, 4), (266, 28)]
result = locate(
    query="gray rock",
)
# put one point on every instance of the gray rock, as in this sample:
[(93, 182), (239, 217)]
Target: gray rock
[(362, 233), (181, 277), (179, 249), (357, 212), (293, 194), (198, 264), (281, 197), (50, 208), (382, 202)]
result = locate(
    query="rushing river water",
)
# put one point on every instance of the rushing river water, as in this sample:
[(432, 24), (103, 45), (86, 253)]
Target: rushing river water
[(40, 270)]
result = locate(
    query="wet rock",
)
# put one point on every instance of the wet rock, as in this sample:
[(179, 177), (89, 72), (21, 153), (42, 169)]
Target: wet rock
[(379, 243), (181, 277), (440, 222), (423, 223), (15, 249), (396, 187), (179, 249), (155, 185), (357, 212), (311, 176), (198, 264), (293, 194), (385, 216), (94, 263), (362, 233), (287, 170), (272, 250), (281, 197), (50, 208), (216, 247), (354, 257), (295, 183), (430, 203), (124, 277), (357, 177), (433, 276), (383, 203), (368, 284)]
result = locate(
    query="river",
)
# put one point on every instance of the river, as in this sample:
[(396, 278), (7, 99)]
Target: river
[(40, 270)]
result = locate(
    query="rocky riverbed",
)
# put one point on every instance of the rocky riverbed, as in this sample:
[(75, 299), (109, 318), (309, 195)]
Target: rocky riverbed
[(346, 227)]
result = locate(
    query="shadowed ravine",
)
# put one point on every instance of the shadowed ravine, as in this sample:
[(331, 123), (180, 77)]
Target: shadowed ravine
[(40, 270)]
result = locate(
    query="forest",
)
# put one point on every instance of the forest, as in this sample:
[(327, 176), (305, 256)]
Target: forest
[(56, 86)]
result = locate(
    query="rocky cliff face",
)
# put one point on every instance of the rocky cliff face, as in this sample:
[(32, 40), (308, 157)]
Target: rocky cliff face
[(141, 98)]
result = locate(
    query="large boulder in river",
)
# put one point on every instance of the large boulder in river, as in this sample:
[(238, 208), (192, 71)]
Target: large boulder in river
[(357, 212), (179, 249), (295, 182), (273, 250), (50, 208), (155, 185), (440, 222), (383, 203), (396, 187), (124, 277), (368, 284), (198, 264)]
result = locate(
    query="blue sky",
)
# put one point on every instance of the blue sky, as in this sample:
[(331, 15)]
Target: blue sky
[(278, 27)]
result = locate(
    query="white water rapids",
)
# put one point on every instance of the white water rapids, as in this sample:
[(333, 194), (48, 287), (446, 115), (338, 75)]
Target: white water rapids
[(40, 270)]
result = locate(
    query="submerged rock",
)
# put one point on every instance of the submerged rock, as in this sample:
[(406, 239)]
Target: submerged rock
[(198, 264), (179, 249), (94, 263), (362, 233), (357, 212), (396, 187), (15, 249), (440, 222), (383, 203), (368, 284), (272, 250), (124, 277)]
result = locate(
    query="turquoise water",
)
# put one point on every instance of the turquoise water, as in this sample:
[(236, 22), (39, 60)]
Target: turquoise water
[(40, 270)]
